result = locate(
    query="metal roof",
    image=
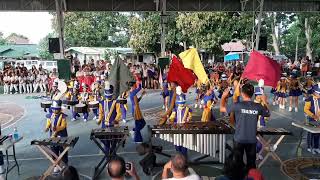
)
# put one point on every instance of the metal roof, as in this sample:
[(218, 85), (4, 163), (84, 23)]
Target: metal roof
[(19, 50), (153, 5)]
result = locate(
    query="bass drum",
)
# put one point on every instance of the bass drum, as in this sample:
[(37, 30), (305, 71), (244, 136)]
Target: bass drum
[(80, 108), (70, 103), (93, 104), (46, 104)]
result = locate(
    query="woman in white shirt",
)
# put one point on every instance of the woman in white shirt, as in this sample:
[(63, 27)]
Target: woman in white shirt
[(14, 83), (6, 81), (22, 84)]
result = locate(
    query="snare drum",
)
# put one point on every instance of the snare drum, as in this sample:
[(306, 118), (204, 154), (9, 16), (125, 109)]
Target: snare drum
[(70, 103), (80, 108), (46, 104), (93, 104)]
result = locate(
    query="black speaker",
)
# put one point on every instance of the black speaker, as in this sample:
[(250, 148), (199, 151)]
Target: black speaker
[(54, 45), (263, 43), (140, 59)]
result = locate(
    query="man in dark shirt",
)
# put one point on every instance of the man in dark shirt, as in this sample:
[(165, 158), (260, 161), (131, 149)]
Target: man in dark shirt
[(245, 114)]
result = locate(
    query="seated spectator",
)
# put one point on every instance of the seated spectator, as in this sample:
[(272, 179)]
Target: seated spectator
[(116, 169), (70, 173), (179, 168)]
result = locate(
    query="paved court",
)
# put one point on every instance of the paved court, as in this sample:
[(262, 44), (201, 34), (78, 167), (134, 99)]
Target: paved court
[(29, 118)]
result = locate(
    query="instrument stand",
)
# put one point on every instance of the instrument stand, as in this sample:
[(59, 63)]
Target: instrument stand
[(269, 149), (53, 158), (107, 156)]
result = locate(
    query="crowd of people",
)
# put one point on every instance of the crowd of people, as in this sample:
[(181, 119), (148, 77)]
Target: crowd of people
[(17, 79), (248, 111)]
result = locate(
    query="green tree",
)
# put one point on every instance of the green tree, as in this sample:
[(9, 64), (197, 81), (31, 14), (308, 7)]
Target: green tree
[(44, 47), (2, 40), (99, 29), (209, 30), (144, 32)]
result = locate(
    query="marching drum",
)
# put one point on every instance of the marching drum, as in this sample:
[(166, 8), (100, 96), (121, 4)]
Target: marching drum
[(70, 103), (80, 108), (93, 104), (46, 104)]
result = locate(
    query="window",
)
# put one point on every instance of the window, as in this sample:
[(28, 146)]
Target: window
[(49, 63)]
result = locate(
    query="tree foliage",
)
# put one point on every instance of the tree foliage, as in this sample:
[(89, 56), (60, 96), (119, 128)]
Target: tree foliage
[(2, 39), (44, 47), (98, 29)]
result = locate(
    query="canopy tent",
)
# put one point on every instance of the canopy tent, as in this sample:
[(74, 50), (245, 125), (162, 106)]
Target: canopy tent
[(232, 57)]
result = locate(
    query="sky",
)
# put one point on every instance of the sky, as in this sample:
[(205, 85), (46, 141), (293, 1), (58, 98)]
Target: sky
[(34, 25)]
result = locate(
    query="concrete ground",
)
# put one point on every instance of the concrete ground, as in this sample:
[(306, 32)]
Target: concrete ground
[(86, 155)]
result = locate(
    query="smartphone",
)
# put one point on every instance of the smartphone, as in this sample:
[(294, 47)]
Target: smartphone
[(128, 166)]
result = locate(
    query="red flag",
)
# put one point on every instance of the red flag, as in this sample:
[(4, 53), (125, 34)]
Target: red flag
[(179, 74), (262, 67)]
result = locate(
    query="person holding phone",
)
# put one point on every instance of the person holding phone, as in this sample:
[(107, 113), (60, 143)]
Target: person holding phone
[(117, 169)]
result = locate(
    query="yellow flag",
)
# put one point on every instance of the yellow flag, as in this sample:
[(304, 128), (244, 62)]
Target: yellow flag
[(191, 60)]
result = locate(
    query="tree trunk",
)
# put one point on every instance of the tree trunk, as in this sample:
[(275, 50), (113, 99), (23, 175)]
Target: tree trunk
[(308, 33), (275, 40), (185, 45)]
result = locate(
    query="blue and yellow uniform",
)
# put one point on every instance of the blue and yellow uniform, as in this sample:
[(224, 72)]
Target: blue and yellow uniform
[(181, 114), (136, 113), (73, 95), (312, 110), (109, 115), (57, 127), (261, 119), (207, 102)]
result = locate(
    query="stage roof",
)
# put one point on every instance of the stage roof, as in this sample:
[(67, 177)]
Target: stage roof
[(152, 5)]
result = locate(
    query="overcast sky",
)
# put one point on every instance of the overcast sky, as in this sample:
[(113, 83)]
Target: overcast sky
[(34, 25)]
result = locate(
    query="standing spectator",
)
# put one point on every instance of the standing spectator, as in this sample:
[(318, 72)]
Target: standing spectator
[(92, 66), (178, 165), (76, 63), (6, 83), (304, 66), (144, 76), (13, 83)]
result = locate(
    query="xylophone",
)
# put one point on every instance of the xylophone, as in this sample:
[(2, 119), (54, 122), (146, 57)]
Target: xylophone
[(207, 138), (116, 136), (44, 147)]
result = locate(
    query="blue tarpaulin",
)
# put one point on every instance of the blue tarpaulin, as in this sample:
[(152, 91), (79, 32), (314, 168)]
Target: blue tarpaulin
[(232, 57)]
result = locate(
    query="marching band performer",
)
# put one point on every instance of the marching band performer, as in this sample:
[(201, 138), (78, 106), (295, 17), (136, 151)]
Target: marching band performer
[(109, 114), (309, 83), (84, 97), (73, 95), (282, 90), (223, 84), (199, 92), (181, 114), (96, 96), (124, 106), (37, 83), (208, 101), (294, 92), (136, 112), (165, 93), (6, 83), (109, 109), (57, 127), (259, 91), (172, 103), (312, 109)]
